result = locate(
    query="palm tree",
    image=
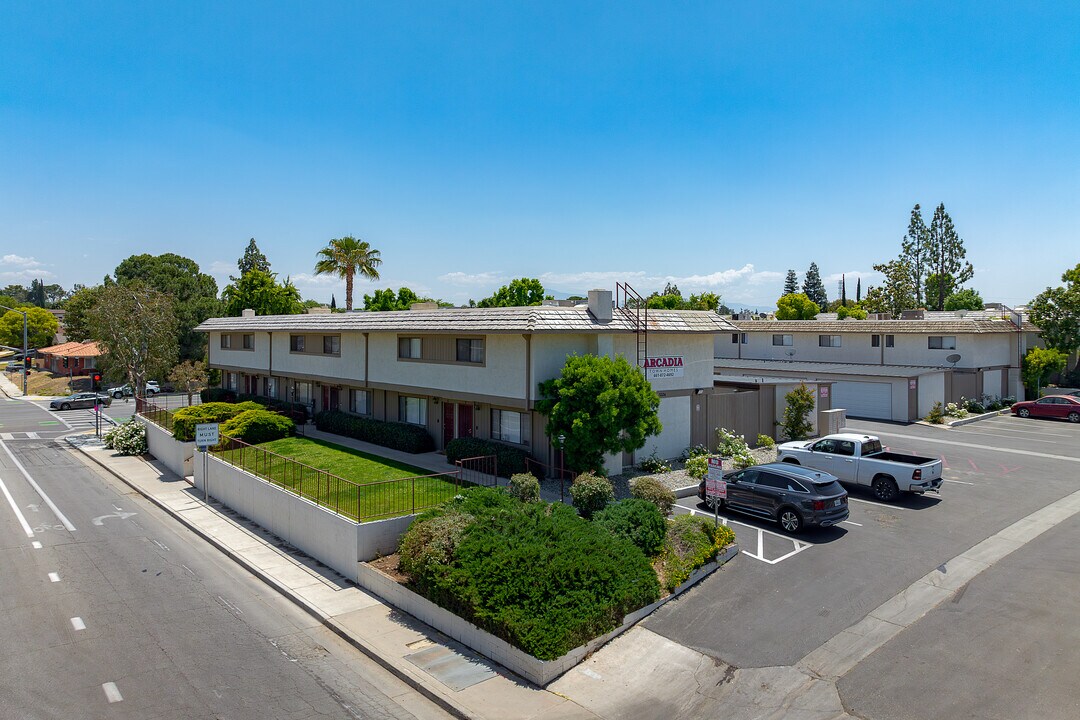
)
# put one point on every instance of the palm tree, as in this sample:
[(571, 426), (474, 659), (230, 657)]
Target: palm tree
[(345, 257)]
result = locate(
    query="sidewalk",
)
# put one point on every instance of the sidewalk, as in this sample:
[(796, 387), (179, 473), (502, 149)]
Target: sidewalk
[(447, 673)]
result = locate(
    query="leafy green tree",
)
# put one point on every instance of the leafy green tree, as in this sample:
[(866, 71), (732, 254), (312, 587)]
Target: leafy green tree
[(253, 259), (520, 292), (896, 294), (77, 306), (260, 291), (1038, 364), (796, 307), (137, 328), (705, 301), (791, 283), (946, 259), (850, 311), (189, 377), (1056, 311), (800, 401), (193, 293), (813, 288), (384, 300), (17, 292), (835, 305), (965, 299), (914, 249), (665, 302), (348, 257), (601, 406), (41, 327)]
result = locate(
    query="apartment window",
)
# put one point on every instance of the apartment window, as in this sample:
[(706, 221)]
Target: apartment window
[(296, 343), (226, 341), (470, 350), (331, 344), (890, 341), (781, 340), (506, 426), (249, 341), (735, 338), (360, 402), (231, 381), (941, 342), (875, 341), (828, 340), (271, 388), (412, 410), (409, 347)]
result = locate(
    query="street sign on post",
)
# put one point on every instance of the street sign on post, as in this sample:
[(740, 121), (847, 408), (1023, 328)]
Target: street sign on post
[(715, 487), (206, 436)]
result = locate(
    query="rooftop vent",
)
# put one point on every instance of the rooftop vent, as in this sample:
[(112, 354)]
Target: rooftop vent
[(319, 310), (247, 313)]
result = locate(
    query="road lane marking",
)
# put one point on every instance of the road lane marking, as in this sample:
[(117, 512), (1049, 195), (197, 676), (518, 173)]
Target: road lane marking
[(958, 482), (6, 436), (54, 577), (1012, 437), (1004, 428), (161, 545), (46, 498), (36, 545), (100, 520), (875, 504), (849, 522), (1033, 453), (112, 693), (18, 513), (77, 623)]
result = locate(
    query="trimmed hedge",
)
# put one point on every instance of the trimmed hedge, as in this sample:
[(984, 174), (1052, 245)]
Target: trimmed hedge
[(185, 419), (258, 426), (217, 394), (510, 460), (591, 493), (533, 574), (656, 492), (525, 487), (639, 521), (297, 411), (690, 543), (397, 436)]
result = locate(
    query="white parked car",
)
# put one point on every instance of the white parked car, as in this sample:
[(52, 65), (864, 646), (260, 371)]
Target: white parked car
[(152, 388)]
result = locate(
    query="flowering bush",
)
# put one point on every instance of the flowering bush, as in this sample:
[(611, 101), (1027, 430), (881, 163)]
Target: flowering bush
[(127, 438), (734, 447), (765, 441), (591, 493), (653, 464), (954, 410)]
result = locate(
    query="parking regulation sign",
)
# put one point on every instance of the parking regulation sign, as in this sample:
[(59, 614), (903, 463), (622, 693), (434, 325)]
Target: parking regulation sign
[(714, 481)]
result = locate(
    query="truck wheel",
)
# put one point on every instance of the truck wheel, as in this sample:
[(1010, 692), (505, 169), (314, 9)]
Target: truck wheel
[(885, 489), (790, 520)]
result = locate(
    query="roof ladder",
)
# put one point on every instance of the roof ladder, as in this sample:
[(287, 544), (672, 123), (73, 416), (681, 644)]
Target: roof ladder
[(635, 309)]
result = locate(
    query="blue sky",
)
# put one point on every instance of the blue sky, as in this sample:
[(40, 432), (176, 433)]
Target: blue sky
[(710, 144)]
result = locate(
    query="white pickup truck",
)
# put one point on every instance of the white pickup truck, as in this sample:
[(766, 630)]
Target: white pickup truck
[(860, 460)]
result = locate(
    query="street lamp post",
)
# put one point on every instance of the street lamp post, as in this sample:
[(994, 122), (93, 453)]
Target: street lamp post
[(24, 348), (562, 457)]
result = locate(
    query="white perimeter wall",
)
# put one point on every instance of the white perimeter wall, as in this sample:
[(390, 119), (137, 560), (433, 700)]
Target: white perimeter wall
[(173, 454), (931, 390)]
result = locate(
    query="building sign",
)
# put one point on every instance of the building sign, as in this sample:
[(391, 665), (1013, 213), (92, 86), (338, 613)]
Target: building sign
[(670, 366), (912, 383), (824, 391)]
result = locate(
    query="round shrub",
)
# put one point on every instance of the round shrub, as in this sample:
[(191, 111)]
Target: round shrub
[(697, 467), (591, 493), (185, 419), (258, 426), (427, 549), (656, 492), (524, 487), (765, 441), (127, 438), (639, 521)]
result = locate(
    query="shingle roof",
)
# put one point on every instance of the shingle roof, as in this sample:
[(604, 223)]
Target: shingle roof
[(951, 326), (73, 349), (538, 319)]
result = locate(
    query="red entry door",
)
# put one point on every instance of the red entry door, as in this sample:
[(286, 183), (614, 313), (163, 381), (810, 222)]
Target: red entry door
[(464, 420)]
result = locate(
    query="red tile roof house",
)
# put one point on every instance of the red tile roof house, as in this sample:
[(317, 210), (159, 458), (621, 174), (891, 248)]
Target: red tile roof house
[(82, 357)]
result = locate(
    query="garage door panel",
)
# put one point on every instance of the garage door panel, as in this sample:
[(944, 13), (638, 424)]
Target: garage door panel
[(863, 399)]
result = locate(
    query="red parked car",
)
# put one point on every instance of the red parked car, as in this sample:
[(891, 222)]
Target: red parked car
[(1052, 406)]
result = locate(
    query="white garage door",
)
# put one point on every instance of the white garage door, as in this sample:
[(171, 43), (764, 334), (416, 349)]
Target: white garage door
[(863, 399)]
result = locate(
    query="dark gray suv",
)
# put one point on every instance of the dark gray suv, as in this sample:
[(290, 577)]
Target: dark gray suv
[(794, 496)]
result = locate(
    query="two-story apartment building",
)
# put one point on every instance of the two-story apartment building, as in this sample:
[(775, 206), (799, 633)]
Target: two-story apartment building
[(466, 372), (886, 369)]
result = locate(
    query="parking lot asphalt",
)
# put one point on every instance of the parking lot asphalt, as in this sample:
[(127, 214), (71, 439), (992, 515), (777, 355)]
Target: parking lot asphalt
[(782, 598)]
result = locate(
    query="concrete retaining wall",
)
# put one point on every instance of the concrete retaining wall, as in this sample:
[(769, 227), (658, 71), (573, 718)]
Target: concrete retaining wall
[(177, 456), (540, 672)]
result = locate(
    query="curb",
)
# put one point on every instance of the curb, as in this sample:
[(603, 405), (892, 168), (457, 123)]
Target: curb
[(685, 492), (977, 418), (327, 621)]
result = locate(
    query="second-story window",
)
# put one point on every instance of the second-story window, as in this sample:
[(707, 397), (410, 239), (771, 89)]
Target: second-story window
[(409, 348), (828, 341), (470, 350), (226, 341), (875, 341), (782, 340), (941, 342), (296, 343), (331, 344), (249, 341), (890, 340)]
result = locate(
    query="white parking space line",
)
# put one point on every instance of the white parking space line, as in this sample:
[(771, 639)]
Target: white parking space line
[(54, 577), (958, 482), (797, 545), (875, 504), (112, 693), (18, 513), (46, 498), (77, 623), (1003, 435), (6, 436), (1005, 427), (994, 448), (849, 522), (36, 545)]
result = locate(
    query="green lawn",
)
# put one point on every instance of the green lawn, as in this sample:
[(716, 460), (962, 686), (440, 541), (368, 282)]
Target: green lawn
[(354, 483)]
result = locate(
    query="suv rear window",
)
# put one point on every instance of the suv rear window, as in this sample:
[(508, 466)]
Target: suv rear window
[(829, 488)]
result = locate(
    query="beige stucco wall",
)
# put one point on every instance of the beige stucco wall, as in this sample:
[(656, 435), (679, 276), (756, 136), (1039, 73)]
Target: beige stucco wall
[(549, 353), (256, 359), (502, 374), (348, 365)]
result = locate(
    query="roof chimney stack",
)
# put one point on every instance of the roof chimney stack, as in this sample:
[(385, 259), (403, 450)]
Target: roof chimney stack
[(600, 305), (248, 313)]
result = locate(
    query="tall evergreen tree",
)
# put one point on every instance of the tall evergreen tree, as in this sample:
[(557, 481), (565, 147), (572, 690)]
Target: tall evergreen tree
[(791, 284), (813, 287), (896, 294), (253, 260), (915, 252), (946, 259), (843, 291), (333, 302), (858, 290)]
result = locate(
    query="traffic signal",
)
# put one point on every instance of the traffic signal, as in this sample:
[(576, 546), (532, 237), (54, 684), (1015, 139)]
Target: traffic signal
[(65, 362), (26, 363), (96, 380)]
